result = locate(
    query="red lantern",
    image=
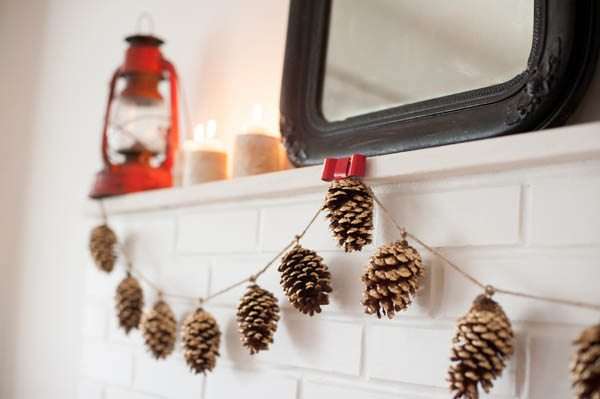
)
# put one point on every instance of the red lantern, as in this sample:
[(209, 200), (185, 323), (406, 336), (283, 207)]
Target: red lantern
[(141, 129)]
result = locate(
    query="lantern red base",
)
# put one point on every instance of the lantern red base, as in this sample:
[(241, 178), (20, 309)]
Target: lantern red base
[(129, 178)]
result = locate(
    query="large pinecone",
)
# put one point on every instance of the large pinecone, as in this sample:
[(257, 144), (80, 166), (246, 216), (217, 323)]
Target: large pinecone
[(484, 340), (201, 339), (102, 247), (305, 279), (130, 302), (257, 316), (585, 367), (350, 213), (393, 277), (159, 328)]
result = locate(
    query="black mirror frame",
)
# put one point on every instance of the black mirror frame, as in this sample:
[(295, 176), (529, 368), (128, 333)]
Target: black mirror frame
[(566, 38)]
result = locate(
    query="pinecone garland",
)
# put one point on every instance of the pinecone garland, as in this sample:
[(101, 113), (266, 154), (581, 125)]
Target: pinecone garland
[(484, 340), (257, 316), (392, 278), (130, 302), (305, 279), (159, 328), (350, 213), (201, 339), (585, 368), (102, 247)]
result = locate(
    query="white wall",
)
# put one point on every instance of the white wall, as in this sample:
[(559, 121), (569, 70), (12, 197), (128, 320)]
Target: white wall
[(57, 56)]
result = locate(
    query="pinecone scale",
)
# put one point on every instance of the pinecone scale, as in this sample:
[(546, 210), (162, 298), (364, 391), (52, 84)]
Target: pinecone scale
[(201, 339), (257, 316), (305, 279), (103, 241), (484, 341), (159, 328), (129, 303), (585, 367), (393, 277), (350, 212)]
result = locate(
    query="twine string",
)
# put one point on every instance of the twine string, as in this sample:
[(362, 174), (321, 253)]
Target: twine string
[(488, 288), (201, 300)]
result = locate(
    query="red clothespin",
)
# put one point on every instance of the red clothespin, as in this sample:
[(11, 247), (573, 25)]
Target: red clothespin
[(335, 169)]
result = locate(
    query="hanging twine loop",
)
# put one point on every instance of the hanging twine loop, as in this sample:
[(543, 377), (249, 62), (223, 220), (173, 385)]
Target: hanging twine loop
[(145, 20), (489, 291), (103, 215)]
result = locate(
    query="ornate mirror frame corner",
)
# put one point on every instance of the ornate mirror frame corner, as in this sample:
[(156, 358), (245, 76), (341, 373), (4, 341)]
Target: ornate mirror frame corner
[(563, 58)]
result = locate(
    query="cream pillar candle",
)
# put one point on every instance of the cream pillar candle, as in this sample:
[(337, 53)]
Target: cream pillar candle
[(256, 151), (204, 159)]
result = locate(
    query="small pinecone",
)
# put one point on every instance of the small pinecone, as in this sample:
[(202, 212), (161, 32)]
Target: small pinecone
[(393, 277), (102, 247), (201, 339), (484, 340), (257, 318), (305, 279), (350, 213), (130, 302), (585, 368), (159, 328)]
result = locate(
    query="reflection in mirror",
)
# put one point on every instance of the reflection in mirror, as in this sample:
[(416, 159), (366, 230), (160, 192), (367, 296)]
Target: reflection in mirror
[(386, 53)]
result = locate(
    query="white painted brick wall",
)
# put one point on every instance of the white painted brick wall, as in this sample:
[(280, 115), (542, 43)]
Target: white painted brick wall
[(528, 229)]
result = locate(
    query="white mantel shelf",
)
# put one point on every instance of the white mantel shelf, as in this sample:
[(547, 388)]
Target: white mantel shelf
[(565, 144)]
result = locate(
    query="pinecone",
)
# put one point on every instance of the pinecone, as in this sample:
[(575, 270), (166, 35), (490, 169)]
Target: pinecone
[(585, 368), (257, 318), (130, 302), (484, 340), (305, 280), (350, 213), (159, 328), (102, 247), (393, 277), (201, 339)]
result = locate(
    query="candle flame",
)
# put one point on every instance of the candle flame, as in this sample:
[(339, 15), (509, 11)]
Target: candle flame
[(211, 129), (199, 133), (257, 114)]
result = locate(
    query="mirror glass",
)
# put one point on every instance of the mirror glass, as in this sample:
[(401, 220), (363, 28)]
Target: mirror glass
[(386, 53)]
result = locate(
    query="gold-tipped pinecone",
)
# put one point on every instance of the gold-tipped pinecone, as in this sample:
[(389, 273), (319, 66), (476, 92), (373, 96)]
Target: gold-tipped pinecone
[(201, 339), (257, 316), (349, 206), (102, 247), (585, 368), (483, 342), (159, 328), (392, 278), (305, 279), (129, 303)]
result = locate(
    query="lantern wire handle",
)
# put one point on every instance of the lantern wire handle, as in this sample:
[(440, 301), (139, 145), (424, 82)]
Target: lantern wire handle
[(145, 18), (186, 113)]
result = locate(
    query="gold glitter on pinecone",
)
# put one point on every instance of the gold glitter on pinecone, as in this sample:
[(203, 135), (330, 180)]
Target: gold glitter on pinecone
[(130, 302), (392, 278), (201, 339), (305, 279), (585, 368), (159, 328), (483, 342), (257, 318), (102, 247), (349, 208)]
